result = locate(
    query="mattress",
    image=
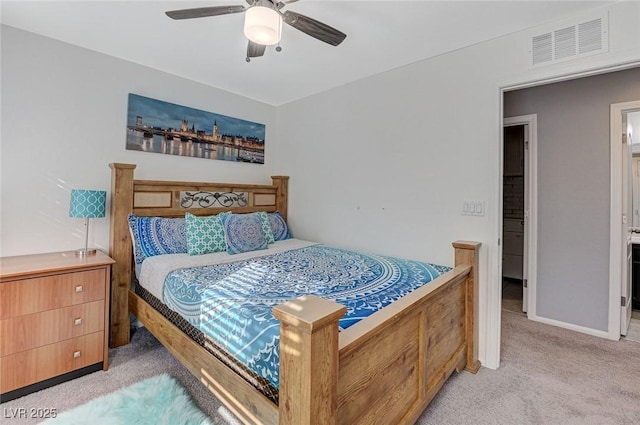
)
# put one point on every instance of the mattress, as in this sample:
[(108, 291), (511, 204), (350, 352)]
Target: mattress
[(198, 336), (231, 301)]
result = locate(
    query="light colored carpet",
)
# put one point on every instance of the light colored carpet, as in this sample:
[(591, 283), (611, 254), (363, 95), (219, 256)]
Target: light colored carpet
[(633, 333), (512, 295), (548, 376), (160, 400)]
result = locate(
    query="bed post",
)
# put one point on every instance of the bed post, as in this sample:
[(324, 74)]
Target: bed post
[(467, 255), (282, 187), (308, 361), (120, 249)]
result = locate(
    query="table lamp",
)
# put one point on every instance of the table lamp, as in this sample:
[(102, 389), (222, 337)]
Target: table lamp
[(87, 204)]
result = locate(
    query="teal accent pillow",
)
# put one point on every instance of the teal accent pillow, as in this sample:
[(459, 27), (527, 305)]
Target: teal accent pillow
[(266, 226), (204, 234), (243, 233)]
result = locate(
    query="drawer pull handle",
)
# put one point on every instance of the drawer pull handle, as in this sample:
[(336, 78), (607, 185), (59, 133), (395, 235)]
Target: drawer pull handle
[(78, 321), (79, 288), (76, 354)]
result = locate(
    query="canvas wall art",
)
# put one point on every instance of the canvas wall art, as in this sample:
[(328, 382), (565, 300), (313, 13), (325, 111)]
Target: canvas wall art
[(162, 127)]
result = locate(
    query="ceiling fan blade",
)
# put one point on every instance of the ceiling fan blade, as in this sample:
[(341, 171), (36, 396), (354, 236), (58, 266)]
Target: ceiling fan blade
[(255, 50), (315, 29), (282, 3), (202, 12)]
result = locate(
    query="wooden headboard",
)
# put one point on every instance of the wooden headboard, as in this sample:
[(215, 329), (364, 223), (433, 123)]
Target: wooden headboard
[(171, 199)]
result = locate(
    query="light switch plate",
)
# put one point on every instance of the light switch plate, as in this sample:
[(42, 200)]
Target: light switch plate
[(476, 208)]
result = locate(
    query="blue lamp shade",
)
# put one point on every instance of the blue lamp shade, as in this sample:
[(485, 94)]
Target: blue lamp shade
[(87, 203)]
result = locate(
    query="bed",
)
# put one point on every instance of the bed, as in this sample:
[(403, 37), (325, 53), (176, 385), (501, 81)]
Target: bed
[(384, 369)]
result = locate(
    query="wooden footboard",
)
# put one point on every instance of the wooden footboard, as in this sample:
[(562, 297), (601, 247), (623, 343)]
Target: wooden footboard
[(386, 368), (383, 370)]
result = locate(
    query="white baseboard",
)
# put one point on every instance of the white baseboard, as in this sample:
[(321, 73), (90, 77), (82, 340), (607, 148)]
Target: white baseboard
[(572, 327)]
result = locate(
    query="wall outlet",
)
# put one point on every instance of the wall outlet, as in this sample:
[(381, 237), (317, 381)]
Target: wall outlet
[(476, 208)]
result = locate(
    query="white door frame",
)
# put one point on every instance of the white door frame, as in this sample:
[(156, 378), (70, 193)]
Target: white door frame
[(492, 312), (531, 206), (616, 257), (636, 190)]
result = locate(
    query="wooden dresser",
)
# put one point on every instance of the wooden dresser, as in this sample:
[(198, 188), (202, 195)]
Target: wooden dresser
[(54, 316)]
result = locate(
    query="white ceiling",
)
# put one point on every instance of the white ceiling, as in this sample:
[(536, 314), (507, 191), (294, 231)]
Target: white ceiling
[(381, 35)]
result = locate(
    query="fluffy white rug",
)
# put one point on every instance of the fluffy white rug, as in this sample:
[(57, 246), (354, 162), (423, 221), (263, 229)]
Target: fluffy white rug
[(154, 401)]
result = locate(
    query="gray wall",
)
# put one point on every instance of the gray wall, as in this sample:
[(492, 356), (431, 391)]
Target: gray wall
[(573, 191)]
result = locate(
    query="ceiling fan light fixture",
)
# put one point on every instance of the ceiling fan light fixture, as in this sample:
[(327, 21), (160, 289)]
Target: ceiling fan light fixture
[(263, 25)]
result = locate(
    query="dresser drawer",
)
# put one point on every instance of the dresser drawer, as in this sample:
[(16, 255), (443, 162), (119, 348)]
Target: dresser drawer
[(27, 367), (35, 330), (37, 294), (53, 317)]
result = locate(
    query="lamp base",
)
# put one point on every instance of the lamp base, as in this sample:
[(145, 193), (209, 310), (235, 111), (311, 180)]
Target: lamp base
[(85, 252)]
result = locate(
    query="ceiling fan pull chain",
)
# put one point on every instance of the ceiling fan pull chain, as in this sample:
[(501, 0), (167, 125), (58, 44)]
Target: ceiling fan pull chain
[(279, 47)]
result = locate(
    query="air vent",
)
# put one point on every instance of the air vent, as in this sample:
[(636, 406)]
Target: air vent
[(585, 37)]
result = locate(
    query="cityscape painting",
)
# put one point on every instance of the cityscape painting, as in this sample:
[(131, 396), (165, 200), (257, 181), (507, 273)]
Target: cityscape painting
[(161, 127)]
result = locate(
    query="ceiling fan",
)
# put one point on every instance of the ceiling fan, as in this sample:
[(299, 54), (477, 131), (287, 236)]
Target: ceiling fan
[(263, 23)]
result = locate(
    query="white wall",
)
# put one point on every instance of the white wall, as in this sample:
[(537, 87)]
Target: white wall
[(64, 112), (384, 164)]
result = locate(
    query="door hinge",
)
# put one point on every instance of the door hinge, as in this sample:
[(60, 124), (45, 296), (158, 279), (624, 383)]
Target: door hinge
[(525, 283), (623, 301), (624, 138)]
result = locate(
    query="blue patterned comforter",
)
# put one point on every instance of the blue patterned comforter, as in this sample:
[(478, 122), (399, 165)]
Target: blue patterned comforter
[(231, 303)]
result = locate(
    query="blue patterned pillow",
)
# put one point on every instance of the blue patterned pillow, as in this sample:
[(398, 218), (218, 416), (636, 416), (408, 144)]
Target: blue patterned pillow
[(157, 236), (204, 234), (279, 227), (266, 226), (243, 233)]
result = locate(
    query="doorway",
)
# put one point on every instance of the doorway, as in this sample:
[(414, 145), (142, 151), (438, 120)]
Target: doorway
[(513, 289), (519, 135), (559, 303), (623, 239), (633, 125)]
